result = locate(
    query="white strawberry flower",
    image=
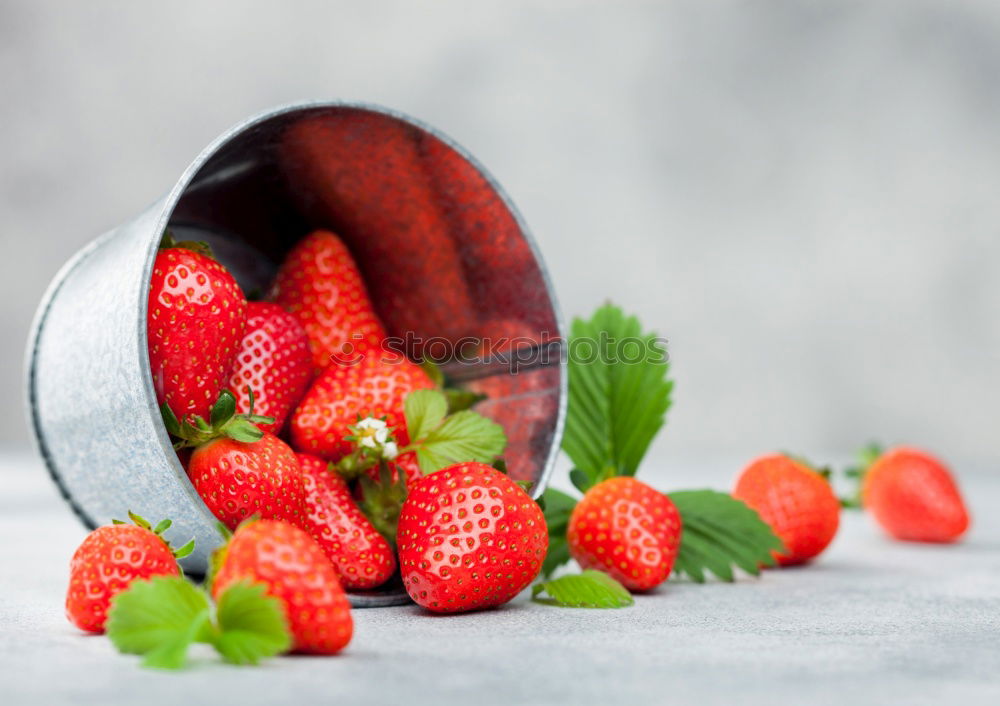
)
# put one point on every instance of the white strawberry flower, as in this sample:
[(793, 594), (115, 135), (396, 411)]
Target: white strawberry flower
[(373, 434)]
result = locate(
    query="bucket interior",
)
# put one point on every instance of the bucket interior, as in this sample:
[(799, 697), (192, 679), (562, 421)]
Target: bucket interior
[(449, 266)]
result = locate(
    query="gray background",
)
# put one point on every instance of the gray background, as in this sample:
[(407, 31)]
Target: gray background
[(801, 196)]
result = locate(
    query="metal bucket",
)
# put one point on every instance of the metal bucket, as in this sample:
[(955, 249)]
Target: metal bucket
[(395, 190)]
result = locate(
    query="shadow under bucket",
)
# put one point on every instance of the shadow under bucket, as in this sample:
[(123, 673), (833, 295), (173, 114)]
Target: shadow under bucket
[(445, 255)]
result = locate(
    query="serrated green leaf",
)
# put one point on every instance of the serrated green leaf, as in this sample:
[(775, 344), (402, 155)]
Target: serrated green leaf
[(464, 436), (589, 589), (251, 624), (558, 506), (557, 555), (721, 532), (424, 411), (618, 393), (580, 480), (158, 618)]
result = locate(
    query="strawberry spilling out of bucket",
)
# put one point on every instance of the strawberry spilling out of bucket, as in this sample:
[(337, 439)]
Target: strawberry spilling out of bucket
[(337, 458)]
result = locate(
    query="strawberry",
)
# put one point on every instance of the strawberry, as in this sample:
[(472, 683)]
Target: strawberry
[(796, 501), (110, 559), (914, 497), (363, 173), (503, 275), (628, 530), (375, 387), (320, 284), (194, 323), (274, 361), (237, 479), (237, 469), (469, 537), (296, 572), (362, 556)]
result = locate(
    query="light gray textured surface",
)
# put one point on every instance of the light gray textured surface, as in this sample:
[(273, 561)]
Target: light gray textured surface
[(800, 195), (873, 622)]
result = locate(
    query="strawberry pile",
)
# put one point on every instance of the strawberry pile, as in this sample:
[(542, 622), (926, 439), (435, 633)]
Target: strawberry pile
[(335, 464), (306, 401)]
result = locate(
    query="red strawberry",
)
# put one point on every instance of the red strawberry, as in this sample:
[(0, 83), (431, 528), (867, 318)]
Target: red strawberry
[(110, 559), (376, 387), (914, 497), (362, 556), (363, 173), (296, 572), (469, 537), (194, 323), (320, 284), (796, 501), (503, 275), (274, 361), (237, 479), (628, 530)]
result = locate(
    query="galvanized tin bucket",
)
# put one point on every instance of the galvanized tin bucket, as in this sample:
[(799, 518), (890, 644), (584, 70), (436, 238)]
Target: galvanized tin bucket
[(395, 190)]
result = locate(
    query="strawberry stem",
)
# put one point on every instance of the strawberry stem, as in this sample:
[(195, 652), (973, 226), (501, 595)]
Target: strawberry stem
[(866, 457), (382, 501)]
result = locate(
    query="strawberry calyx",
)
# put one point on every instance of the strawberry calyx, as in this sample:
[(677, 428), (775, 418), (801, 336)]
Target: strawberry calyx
[(199, 246), (158, 530), (382, 500), (458, 398), (866, 457), (500, 465), (193, 431)]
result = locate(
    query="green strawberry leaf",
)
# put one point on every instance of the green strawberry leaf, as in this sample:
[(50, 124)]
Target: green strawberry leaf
[(618, 394), (251, 624), (721, 532), (159, 619), (464, 436), (589, 589), (557, 506), (556, 556), (424, 411), (580, 480)]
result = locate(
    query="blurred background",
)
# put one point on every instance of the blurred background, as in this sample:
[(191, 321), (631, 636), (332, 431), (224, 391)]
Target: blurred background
[(801, 196)]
